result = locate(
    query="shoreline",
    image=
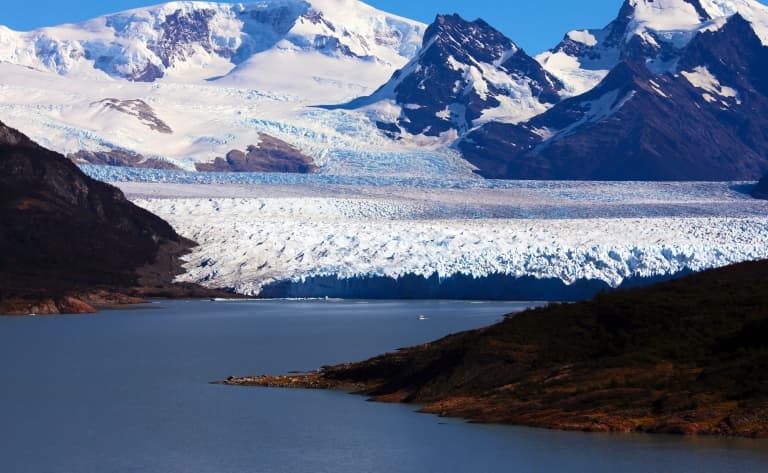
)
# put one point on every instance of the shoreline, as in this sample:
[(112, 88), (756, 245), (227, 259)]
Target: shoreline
[(491, 411), (78, 302), (686, 357)]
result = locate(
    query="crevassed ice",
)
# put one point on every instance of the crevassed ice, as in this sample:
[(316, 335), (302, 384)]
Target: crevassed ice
[(567, 231)]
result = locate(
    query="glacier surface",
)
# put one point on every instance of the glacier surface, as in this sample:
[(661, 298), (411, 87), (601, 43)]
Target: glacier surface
[(254, 234)]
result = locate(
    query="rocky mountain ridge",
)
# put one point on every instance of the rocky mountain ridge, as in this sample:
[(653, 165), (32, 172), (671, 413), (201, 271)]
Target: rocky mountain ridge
[(700, 117), (669, 90), (148, 44), (68, 239), (466, 73)]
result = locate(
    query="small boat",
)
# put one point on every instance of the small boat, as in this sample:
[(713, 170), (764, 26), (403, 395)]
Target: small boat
[(422, 317)]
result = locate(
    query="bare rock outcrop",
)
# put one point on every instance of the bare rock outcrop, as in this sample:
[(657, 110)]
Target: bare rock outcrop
[(270, 155), (120, 158), (65, 235)]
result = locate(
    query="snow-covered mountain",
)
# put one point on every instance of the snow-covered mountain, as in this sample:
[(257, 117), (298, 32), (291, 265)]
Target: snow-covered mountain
[(466, 73), (187, 82), (685, 100), (180, 84), (185, 40), (654, 31), (672, 89)]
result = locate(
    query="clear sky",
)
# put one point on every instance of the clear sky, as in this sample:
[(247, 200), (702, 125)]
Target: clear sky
[(535, 25)]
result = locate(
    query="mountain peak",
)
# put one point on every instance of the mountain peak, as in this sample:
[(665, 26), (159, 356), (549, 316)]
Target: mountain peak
[(715, 93), (650, 31), (146, 44), (692, 8), (465, 74), (666, 15), (454, 20), (476, 37)]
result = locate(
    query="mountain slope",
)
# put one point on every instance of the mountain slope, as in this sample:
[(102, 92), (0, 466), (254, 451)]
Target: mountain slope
[(311, 48), (465, 74), (704, 121), (760, 191), (644, 30), (686, 357), (182, 83), (64, 233), (225, 74), (207, 40)]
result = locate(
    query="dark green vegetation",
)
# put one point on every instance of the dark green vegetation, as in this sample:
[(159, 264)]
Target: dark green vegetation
[(64, 234), (686, 356)]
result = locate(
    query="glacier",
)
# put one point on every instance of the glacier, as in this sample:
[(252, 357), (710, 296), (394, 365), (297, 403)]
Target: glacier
[(379, 210), (199, 67), (257, 234)]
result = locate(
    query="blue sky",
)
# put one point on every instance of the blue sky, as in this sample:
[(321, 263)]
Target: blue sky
[(535, 25)]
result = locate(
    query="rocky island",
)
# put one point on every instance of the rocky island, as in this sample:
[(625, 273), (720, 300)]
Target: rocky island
[(688, 356)]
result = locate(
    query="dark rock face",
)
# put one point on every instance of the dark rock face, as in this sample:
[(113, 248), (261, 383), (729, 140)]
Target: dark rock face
[(317, 18), (63, 232), (180, 31), (106, 58), (703, 15), (150, 73), (139, 109), (445, 87), (331, 46), (271, 155), (390, 130), (274, 22), (760, 191), (120, 158), (637, 125), (734, 55)]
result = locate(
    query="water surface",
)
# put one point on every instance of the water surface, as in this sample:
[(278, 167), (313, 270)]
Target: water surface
[(127, 392)]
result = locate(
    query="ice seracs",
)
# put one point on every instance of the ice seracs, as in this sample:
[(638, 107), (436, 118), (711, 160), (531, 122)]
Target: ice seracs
[(568, 232)]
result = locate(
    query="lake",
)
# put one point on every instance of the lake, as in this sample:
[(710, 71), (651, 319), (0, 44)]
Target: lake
[(128, 392)]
